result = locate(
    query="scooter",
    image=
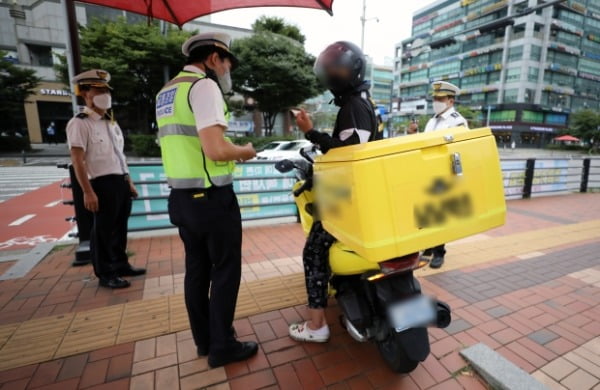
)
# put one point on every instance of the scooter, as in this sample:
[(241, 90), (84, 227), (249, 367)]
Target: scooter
[(380, 302)]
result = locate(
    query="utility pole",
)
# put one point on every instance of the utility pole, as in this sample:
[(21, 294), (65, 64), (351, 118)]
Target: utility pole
[(363, 20)]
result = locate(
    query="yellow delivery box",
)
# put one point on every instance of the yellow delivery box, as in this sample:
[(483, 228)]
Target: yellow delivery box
[(393, 197)]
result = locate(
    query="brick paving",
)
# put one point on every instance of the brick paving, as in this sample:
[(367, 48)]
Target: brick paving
[(530, 290)]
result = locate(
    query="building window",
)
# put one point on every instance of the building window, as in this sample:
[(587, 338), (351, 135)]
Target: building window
[(568, 39), (510, 95), (503, 116), (513, 74), (493, 77), (536, 53), (589, 66), (515, 53), (532, 116), (491, 97), (533, 74), (40, 55), (556, 119)]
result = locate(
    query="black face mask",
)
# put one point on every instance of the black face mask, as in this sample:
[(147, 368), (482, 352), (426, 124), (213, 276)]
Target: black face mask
[(338, 86)]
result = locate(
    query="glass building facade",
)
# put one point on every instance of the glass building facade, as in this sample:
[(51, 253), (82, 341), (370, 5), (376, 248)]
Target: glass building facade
[(523, 66)]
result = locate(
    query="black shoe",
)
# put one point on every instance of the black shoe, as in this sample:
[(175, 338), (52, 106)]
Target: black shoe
[(131, 271), (237, 352), (437, 262), (114, 282)]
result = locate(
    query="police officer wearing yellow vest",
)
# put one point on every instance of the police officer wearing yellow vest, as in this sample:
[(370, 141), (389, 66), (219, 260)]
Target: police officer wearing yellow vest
[(96, 144), (198, 159), (444, 94)]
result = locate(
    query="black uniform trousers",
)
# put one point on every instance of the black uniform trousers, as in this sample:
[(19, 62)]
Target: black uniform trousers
[(210, 227), (108, 239)]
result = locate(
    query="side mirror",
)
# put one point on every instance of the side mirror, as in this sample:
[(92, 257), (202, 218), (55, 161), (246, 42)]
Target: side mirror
[(285, 166)]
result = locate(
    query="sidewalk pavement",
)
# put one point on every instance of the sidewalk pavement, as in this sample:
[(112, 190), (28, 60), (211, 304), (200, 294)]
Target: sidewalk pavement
[(530, 290)]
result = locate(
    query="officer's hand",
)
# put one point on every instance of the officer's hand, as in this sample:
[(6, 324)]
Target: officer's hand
[(133, 190), (413, 128), (303, 121), (248, 152), (90, 201)]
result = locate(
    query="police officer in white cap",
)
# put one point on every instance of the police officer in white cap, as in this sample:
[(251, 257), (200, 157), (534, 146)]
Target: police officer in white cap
[(96, 144), (198, 159), (444, 94)]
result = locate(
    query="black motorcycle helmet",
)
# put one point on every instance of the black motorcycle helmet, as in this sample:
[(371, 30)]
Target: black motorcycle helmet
[(341, 67)]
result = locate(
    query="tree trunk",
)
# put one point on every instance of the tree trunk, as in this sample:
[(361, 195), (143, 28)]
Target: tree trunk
[(287, 122), (258, 122)]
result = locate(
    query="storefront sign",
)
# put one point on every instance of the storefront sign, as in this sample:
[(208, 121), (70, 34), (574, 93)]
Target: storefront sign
[(501, 127), (542, 129), (55, 92), (240, 126)]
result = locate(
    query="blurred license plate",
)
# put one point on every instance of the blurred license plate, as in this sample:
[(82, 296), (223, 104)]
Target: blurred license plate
[(411, 313)]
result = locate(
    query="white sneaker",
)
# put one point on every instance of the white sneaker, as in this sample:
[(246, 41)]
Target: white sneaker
[(301, 332)]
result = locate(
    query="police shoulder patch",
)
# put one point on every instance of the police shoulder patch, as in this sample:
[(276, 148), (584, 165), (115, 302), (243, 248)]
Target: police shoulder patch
[(81, 115), (455, 115)]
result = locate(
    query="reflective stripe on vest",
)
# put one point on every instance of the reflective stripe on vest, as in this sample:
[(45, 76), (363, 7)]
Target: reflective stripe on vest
[(184, 162)]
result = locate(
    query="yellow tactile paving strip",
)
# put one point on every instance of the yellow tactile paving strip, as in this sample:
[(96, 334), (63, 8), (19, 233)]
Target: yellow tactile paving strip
[(497, 248), (49, 338)]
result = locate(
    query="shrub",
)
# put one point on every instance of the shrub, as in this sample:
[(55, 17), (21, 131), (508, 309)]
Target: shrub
[(144, 145)]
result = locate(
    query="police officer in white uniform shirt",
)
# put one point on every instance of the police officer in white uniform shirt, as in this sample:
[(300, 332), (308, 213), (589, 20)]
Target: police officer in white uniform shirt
[(444, 94), (96, 144)]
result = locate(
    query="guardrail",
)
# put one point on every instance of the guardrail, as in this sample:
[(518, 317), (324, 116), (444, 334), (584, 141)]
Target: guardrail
[(265, 193)]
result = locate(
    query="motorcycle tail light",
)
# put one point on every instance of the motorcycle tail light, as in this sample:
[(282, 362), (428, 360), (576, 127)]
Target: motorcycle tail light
[(398, 265)]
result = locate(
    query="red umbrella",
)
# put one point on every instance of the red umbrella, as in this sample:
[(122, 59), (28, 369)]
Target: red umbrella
[(181, 11), (566, 138)]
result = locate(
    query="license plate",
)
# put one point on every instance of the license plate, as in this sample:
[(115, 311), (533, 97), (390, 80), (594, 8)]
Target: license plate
[(412, 313)]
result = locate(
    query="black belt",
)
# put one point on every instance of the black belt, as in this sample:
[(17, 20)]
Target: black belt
[(112, 176)]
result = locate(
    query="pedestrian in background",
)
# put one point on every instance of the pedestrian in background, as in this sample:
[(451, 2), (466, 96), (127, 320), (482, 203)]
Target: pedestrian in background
[(96, 144), (51, 133), (198, 159)]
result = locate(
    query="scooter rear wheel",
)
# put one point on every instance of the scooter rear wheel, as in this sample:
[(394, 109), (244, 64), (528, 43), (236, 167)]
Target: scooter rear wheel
[(392, 351)]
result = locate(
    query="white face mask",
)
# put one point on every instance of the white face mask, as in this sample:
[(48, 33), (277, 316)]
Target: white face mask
[(225, 82), (439, 107), (103, 101)]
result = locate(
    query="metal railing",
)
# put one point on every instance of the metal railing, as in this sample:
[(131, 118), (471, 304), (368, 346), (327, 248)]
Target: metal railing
[(268, 195)]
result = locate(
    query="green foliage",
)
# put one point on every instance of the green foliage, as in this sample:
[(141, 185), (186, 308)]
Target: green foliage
[(135, 55), (16, 84), (144, 145), (585, 124), (278, 26), (14, 144), (259, 142), (472, 117), (276, 72)]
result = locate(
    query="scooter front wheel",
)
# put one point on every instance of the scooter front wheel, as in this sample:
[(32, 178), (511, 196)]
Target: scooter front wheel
[(393, 351)]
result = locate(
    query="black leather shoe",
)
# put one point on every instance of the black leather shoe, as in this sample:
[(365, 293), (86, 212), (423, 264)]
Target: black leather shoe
[(131, 271), (436, 262), (237, 352), (114, 282)]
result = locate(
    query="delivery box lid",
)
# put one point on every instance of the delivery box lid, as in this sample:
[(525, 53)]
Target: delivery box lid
[(402, 144)]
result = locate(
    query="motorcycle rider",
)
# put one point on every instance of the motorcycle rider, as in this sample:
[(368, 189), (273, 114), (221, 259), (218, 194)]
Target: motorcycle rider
[(341, 68)]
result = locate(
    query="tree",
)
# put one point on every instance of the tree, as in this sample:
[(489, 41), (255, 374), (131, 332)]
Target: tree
[(16, 84), (472, 117), (585, 124), (278, 26), (135, 55), (275, 71)]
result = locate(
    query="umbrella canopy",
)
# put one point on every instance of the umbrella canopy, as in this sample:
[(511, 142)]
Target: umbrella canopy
[(181, 11), (566, 138)]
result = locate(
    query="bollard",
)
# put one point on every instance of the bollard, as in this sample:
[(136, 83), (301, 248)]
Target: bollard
[(585, 175), (83, 218), (528, 182), (24, 155)]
